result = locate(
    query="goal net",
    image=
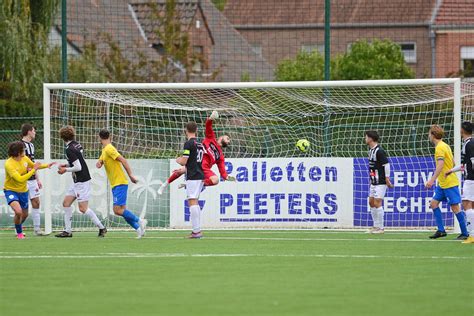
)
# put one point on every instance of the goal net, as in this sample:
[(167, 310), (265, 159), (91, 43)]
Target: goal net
[(326, 186)]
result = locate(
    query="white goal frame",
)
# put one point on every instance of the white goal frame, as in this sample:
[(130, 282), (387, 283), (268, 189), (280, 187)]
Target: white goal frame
[(47, 87)]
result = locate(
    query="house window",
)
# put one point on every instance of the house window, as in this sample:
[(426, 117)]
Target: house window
[(467, 61), (198, 52), (257, 48), (409, 52), (309, 48)]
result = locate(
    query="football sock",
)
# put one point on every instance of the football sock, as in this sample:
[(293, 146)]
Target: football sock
[(173, 176), (18, 228), (68, 219), (35, 214), (195, 218), (131, 219), (380, 217), (462, 222), (94, 218), (439, 219), (470, 221), (373, 212)]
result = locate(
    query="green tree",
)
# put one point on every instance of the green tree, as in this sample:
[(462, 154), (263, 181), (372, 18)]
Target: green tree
[(376, 60), (24, 52), (307, 66)]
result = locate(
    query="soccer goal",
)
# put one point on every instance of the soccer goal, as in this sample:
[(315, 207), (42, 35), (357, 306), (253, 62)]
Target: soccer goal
[(278, 185)]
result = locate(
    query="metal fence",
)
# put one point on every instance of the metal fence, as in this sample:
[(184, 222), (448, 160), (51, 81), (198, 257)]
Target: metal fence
[(234, 40)]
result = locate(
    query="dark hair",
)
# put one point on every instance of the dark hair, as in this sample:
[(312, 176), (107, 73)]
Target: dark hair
[(67, 133), (373, 134), (191, 127), (25, 128), (104, 134), (15, 149), (467, 127), (437, 131)]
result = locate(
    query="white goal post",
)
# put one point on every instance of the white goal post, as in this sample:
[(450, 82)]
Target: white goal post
[(264, 120)]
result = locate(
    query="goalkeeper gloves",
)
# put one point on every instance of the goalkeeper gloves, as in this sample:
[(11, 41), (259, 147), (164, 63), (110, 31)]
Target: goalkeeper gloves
[(230, 178), (214, 115)]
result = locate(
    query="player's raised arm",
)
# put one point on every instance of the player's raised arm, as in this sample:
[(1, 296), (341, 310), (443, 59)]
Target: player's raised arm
[(209, 133)]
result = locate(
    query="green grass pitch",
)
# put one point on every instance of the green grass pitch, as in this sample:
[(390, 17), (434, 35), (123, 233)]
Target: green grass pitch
[(236, 273)]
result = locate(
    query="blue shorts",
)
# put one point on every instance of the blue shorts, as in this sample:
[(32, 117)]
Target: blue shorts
[(450, 195), (120, 194), (21, 197)]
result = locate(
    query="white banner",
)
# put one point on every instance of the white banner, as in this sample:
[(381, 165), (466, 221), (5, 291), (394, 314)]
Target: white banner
[(143, 199), (275, 192)]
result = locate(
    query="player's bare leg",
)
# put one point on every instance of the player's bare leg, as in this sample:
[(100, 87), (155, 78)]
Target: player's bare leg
[(174, 175)]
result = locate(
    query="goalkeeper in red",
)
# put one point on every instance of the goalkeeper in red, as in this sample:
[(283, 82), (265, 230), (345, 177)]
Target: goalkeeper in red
[(212, 156)]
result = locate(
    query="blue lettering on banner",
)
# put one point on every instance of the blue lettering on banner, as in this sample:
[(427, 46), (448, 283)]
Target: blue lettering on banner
[(243, 200), (407, 204), (276, 174), (260, 204), (294, 203), (277, 197), (226, 201), (278, 205), (260, 173), (312, 202)]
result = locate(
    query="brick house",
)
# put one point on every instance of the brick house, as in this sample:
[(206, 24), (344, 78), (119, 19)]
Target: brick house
[(454, 30), (133, 25), (280, 29)]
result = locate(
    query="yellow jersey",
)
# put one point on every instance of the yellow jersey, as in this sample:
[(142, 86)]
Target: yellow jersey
[(113, 167), (17, 174), (443, 152)]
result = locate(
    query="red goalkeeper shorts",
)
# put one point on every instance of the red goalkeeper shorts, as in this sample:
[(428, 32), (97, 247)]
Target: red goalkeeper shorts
[(208, 173)]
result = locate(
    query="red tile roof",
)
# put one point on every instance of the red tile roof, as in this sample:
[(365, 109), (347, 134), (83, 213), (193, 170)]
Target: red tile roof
[(456, 13), (87, 19), (279, 12)]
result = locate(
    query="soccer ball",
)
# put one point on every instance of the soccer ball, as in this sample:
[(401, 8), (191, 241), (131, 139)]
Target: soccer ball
[(303, 145)]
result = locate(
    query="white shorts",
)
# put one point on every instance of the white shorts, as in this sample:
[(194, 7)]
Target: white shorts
[(468, 191), (33, 189), (194, 188), (80, 190), (377, 191)]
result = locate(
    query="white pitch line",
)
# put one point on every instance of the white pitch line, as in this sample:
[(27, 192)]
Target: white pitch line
[(224, 255), (284, 239)]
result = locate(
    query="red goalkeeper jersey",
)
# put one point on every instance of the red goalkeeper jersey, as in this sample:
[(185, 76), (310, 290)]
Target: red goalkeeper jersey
[(214, 154)]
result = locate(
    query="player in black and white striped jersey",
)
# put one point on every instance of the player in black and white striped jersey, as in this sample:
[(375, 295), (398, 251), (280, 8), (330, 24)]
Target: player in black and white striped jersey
[(467, 167), (379, 168), (28, 134)]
